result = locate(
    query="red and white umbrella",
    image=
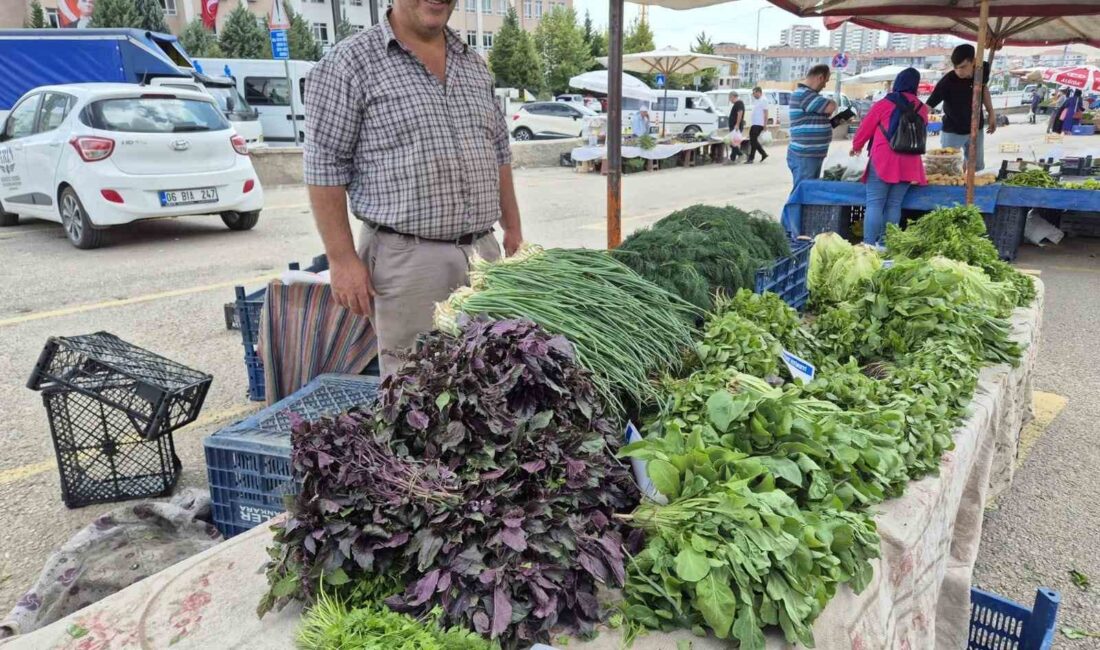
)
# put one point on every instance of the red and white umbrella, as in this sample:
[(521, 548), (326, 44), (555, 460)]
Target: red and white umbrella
[(1082, 77)]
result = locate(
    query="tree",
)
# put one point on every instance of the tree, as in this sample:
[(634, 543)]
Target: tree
[(150, 16), (198, 41), (708, 77), (560, 42), (514, 59), (115, 13), (242, 37), (344, 28), (303, 47), (596, 41), (638, 37), (36, 16)]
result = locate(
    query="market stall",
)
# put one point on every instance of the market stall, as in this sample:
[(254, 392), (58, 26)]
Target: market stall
[(688, 153)]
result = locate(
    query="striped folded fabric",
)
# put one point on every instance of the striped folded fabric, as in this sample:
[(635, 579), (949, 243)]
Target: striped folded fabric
[(305, 333)]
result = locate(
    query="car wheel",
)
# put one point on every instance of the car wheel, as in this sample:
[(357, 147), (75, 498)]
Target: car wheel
[(7, 219), (523, 134), (691, 129), (78, 227), (241, 220)]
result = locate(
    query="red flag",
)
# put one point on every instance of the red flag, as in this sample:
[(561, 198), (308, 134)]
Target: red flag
[(209, 13)]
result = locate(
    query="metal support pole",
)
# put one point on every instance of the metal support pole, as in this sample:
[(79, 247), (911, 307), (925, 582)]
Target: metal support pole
[(614, 123), (373, 12), (976, 101), (290, 98), (843, 47), (337, 13), (478, 26)]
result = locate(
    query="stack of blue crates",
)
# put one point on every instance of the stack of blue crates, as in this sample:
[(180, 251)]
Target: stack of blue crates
[(248, 463), (997, 623), (787, 276)]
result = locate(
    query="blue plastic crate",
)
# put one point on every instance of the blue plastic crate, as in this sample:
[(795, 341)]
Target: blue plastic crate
[(787, 276), (248, 463), (248, 307), (998, 623)]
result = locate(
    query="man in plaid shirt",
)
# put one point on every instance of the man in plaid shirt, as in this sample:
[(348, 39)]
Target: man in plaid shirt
[(403, 126)]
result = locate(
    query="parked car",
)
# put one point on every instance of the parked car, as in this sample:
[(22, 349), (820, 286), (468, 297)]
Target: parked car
[(685, 111), (264, 84), (92, 156), (844, 103), (539, 120), (245, 118), (1028, 92)]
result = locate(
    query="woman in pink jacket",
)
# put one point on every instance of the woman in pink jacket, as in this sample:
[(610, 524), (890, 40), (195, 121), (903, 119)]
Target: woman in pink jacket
[(889, 174)]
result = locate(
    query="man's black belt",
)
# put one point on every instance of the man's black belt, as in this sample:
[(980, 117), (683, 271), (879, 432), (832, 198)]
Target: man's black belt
[(464, 240)]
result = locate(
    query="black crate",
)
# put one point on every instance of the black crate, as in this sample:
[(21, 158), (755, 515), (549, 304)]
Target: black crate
[(157, 394), (102, 453), (1006, 228), (817, 219), (1080, 224)]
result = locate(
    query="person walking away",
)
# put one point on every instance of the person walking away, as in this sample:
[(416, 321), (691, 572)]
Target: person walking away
[(811, 133), (736, 124), (759, 123), (890, 173), (956, 92), (404, 128), (1072, 112)]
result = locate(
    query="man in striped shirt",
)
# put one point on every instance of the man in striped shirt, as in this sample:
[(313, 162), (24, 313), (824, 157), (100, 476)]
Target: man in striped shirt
[(811, 133)]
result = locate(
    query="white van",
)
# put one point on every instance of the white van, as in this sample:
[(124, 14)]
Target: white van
[(685, 111), (244, 118), (263, 82), (779, 103)]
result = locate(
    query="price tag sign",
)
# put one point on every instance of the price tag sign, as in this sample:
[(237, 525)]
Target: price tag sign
[(798, 367), (639, 467), (887, 264)]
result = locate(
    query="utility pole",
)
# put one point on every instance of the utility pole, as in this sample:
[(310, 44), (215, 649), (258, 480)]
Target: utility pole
[(760, 59), (480, 38), (337, 12), (843, 47), (373, 12)]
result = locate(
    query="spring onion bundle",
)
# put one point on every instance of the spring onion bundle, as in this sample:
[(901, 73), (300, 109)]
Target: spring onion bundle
[(624, 328)]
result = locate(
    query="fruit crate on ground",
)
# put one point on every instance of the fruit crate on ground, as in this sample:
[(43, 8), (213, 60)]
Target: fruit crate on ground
[(817, 219), (1006, 228), (157, 394), (997, 623), (247, 309), (787, 276), (248, 463), (102, 454)]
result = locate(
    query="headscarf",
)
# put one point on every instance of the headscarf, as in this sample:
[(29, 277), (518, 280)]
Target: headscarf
[(906, 82)]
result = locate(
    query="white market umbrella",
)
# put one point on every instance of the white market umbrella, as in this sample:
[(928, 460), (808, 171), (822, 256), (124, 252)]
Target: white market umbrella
[(597, 82), (889, 73), (1081, 77), (669, 61)]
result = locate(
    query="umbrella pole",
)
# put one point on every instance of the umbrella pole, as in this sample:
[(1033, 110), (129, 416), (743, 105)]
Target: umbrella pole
[(976, 102), (614, 123), (664, 108)]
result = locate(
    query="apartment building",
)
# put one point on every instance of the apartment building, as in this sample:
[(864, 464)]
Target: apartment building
[(858, 40), (792, 64), (800, 37), (750, 65), (319, 13)]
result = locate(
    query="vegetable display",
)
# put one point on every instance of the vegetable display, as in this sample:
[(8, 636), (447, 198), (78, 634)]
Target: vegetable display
[(946, 161), (623, 327), (703, 251), (1032, 178), (484, 480), (959, 180), (838, 269), (1087, 184)]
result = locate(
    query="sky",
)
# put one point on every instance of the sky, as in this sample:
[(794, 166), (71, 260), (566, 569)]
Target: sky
[(731, 22)]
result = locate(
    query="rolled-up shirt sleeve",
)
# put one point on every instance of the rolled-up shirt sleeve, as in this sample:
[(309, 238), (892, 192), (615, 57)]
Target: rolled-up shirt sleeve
[(500, 136), (334, 120)]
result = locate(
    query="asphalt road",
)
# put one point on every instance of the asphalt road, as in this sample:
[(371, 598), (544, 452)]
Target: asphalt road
[(161, 285)]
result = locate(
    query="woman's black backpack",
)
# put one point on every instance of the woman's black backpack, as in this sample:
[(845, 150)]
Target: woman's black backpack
[(912, 134)]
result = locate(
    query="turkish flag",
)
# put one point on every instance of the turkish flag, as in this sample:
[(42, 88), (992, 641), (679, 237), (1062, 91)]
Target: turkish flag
[(209, 13)]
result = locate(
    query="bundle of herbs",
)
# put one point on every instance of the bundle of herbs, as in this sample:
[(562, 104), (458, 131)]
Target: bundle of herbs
[(484, 481), (703, 251), (957, 233), (623, 328)]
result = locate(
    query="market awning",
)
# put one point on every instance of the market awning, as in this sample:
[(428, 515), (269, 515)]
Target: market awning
[(669, 60), (597, 82), (889, 73)]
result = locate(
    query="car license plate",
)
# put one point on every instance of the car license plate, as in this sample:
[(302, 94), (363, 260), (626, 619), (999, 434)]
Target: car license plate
[(169, 198)]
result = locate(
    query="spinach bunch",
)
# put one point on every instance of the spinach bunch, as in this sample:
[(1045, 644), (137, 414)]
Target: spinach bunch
[(732, 341), (769, 312)]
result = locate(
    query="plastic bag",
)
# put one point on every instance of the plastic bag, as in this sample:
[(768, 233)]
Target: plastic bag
[(1037, 229), (766, 137), (736, 138), (842, 167)]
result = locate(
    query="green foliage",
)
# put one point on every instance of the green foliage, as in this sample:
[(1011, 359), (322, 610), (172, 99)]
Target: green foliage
[(638, 37), (514, 58), (150, 16), (560, 42), (303, 47), (36, 16), (242, 37), (344, 28), (198, 41), (597, 41), (115, 13)]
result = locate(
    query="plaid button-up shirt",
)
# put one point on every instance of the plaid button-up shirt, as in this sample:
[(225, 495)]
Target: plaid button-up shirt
[(416, 155)]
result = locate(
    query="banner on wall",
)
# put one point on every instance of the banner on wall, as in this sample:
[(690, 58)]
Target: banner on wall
[(209, 13), (74, 13)]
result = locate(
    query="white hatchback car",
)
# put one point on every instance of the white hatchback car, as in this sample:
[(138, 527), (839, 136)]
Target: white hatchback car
[(96, 155), (550, 120)]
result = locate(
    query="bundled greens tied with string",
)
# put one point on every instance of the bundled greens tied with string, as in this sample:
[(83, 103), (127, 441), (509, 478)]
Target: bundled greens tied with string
[(624, 329)]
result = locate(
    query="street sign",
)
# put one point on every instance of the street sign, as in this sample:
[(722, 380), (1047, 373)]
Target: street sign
[(660, 80), (280, 46), (278, 17), (840, 61)]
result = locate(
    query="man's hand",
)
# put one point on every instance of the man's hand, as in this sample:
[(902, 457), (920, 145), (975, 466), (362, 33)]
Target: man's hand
[(513, 239), (351, 284), (991, 128)]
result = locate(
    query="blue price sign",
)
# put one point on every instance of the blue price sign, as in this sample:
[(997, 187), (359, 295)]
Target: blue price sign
[(660, 80), (280, 46)]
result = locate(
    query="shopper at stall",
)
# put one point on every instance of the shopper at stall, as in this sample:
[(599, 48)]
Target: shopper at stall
[(759, 123), (811, 133), (889, 173), (639, 123), (1055, 124), (1071, 113), (956, 92), (428, 176)]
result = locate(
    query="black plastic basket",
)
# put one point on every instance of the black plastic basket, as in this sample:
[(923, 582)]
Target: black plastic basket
[(1080, 224), (1006, 228), (102, 454), (158, 395), (817, 219)]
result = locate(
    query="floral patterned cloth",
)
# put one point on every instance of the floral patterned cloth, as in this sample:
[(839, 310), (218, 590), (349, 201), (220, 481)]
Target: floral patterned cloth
[(113, 552)]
